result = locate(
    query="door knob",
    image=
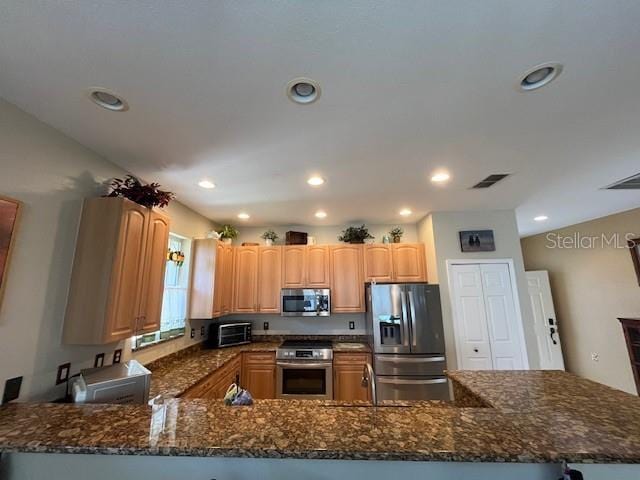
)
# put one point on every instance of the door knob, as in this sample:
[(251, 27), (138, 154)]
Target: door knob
[(475, 350), (552, 332)]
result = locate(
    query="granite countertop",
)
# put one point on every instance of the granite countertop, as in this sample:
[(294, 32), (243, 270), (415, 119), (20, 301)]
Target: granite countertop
[(171, 376), (530, 416)]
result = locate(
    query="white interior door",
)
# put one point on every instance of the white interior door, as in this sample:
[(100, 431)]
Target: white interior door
[(545, 321), (506, 348), (487, 325), (470, 317)]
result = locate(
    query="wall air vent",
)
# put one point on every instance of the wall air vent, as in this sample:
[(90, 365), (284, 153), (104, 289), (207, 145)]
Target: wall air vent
[(629, 183), (491, 180)]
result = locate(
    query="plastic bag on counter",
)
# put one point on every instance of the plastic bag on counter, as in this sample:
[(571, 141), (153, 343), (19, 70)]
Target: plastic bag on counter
[(237, 396)]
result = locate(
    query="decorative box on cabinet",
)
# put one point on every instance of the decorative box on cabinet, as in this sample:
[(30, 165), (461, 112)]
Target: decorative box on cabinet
[(118, 272)]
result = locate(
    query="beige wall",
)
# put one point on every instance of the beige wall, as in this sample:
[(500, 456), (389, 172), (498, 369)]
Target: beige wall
[(440, 229), (50, 174), (591, 288), (322, 234)]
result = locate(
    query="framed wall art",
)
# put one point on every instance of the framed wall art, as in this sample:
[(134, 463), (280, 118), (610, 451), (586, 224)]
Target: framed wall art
[(477, 241), (9, 215)]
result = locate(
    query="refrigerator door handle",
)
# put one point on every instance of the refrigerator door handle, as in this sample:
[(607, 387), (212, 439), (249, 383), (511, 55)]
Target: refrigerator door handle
[(412, 310), (405, 324), (398, 381), (410, 359)]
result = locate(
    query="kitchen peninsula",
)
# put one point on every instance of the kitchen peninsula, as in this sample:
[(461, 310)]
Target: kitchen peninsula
[(521, 420)]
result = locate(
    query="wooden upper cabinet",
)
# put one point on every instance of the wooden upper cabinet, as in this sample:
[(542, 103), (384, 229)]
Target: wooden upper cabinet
[(347, 282), (245, 292), (317, 266), (293, 266), (227, 280), (378, 263), (207, 278), (150, 308), (269, 270), (118, 272), (409, 263)]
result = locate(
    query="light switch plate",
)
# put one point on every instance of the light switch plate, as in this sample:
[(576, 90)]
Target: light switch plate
[(99, 360), (11, 389), (63, 373)]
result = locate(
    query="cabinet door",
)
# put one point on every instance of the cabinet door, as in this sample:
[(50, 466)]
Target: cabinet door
[(378, 263), (203, 278), (150, 301), (128, 268), (347, 285), (347, 377), (409, 262), (219, 280), (245, 296), (269, 270), (259, 374), (317, 266), (228, 278), (293, 266)]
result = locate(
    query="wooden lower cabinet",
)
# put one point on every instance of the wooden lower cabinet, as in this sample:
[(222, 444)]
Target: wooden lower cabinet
[(215, 385), (347, 376), (259, 374)]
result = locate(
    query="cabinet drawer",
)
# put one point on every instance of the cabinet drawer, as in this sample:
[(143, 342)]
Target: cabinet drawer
[(259, 358), (351, 358)]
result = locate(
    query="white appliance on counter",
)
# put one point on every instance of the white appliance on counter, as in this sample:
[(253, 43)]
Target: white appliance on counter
[(127, 382)]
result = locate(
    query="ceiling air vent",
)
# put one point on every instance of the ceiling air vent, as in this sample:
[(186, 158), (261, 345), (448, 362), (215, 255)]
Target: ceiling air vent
[(629, 183), (491, 180)]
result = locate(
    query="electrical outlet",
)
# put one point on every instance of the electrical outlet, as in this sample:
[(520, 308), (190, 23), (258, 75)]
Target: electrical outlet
[(117, 356), (352, 325), (99, 360), (265, 326), (595, 356), (11, 389), (63, 373), (202, 331), (193, 333)]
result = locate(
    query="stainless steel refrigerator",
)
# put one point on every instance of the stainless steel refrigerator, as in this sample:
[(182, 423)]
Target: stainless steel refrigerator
[(404, 326)]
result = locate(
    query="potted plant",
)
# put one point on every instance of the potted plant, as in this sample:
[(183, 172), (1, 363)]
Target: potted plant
[(269, 237), (355, 235), (148, 195), (228, 233), (396, 234)]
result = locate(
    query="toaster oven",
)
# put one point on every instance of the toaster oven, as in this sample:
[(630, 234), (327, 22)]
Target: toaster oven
[(223, 334)]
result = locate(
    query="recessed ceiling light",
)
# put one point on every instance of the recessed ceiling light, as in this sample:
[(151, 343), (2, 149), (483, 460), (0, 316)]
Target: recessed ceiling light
[(108, 99), (303, 90), (244, 216), (539, 76), (315, 181), (321, 214), (440, 177), (405, 212), (206, 184), (541, 218)]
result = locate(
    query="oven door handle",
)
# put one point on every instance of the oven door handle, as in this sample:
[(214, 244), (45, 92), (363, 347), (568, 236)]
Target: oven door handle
[(304, 364)]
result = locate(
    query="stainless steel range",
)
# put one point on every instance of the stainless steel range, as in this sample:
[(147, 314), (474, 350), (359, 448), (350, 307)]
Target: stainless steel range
[(304, 370)]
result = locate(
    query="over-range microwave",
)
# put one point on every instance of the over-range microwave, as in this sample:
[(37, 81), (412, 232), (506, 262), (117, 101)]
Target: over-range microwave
[(306, 302)]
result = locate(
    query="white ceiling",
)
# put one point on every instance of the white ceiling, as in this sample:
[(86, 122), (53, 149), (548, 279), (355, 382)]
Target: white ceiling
[(407, 87)]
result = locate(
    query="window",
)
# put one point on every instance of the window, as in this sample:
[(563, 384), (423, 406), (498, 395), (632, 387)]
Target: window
[(174, 300)]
